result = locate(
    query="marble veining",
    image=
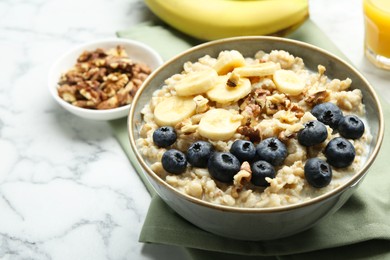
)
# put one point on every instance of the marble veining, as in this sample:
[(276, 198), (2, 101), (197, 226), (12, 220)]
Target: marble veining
[(67, 190)]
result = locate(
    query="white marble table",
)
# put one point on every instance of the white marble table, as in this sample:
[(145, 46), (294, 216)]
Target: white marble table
[(67, 190)]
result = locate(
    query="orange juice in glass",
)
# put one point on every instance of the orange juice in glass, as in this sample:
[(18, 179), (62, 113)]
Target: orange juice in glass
[(377, 32)]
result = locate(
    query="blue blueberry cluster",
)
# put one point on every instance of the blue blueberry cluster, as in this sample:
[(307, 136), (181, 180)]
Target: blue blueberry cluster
[(270, 152), (222, 166), (339, 151)]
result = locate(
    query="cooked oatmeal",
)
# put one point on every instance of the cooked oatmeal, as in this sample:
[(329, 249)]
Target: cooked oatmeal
[(267, 107)]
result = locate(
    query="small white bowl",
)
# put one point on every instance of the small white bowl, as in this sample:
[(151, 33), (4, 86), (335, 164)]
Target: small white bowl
[(137, 51)]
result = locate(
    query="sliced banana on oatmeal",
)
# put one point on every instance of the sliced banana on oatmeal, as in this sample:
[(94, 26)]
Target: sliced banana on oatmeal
[(288, 82), (228, 60), (173, 110), (219, 124), (195, 83), (258, 70), (229, 88)]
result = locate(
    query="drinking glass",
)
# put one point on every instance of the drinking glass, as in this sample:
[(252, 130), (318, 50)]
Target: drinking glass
[(377, 32)]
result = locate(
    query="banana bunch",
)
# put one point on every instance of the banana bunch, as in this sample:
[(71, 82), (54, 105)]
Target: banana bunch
[(225, 83), (215, 19)]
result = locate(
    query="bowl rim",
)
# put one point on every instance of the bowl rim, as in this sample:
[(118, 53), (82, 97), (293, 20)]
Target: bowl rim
[(94, 113), (347, 185)]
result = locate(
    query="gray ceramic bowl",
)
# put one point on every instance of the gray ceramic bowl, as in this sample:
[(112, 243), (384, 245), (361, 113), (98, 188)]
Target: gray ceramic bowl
[(263, 223)]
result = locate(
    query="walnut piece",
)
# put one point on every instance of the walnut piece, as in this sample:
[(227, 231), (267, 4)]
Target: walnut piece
[(241, 178), (102, 79)]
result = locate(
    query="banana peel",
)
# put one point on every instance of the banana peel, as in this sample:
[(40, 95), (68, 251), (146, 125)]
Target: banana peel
[(215, 19)]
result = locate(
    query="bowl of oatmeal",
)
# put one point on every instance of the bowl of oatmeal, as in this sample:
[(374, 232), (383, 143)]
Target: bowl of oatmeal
[(98, 80), (255, 138)]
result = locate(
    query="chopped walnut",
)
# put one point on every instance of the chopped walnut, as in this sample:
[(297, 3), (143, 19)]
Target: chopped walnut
[(276, 103), (299, 111), (102, 79), (241, 178), (233, 80), (253, 106), (186, 126), (317, 98), (68, 93), (252, 133), (246, 167), (201, 104)]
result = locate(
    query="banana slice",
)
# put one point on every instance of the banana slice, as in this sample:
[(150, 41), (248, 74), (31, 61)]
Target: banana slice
[(219, 124), (288, 82), (258, 70), (227, 61), (223, 93), (173, 110), (197, 82)]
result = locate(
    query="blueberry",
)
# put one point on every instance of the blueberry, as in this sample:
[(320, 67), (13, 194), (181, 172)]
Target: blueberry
[(164, 136), (351, 127), (340, 152), (314, 132), (328, 113), (272, 150), (261, 170), (174, 161), (223, 166), (198, 153), (244, 150), (317, 172)]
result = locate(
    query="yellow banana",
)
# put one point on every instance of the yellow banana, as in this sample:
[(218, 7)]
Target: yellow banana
[(173, 110), (223, 93), (219, 124), (215, 19), (228, 60), (196, 82), (258, 70), (288, 82)]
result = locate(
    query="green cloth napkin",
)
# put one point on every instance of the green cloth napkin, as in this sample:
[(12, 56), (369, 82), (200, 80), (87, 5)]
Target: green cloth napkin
[(359, 230)]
